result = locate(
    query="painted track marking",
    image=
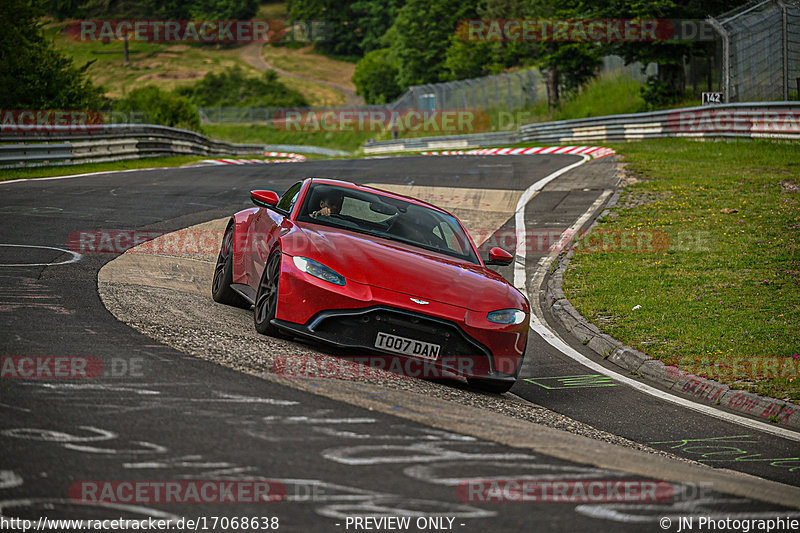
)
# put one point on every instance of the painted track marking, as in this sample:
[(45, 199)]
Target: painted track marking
[(75, 256)]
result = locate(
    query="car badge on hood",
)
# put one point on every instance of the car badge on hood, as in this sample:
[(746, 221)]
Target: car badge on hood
[(418, 301)]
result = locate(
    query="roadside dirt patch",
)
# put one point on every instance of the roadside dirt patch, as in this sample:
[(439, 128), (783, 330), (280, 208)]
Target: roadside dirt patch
[(790, 186), (192, 75)]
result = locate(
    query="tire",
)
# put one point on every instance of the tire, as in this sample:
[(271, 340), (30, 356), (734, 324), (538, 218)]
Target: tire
[(223, 275), (491, 385), (267, 297)]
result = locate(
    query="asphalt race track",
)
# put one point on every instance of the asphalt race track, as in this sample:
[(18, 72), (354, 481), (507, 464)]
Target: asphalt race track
[(331, 452)]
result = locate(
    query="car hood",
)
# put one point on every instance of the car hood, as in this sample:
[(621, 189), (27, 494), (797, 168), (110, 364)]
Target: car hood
[(405, 269)]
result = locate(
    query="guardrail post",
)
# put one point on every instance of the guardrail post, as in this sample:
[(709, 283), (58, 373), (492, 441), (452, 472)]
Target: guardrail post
[(523, 96), (726, 58), (785, 48)]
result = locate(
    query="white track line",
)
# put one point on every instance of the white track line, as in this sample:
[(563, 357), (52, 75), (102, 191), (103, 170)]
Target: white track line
[(540, 327), (519, 220), (49, 178)]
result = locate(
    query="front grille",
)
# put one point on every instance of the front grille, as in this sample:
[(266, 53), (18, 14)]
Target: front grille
[(360, 328)]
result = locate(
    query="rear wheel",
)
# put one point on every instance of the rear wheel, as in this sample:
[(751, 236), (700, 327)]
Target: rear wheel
[(267, 297), (491, 385), (223, 275)]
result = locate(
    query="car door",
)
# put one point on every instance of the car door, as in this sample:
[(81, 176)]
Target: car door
[(267, 230)]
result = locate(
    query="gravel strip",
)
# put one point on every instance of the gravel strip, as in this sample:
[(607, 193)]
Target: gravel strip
[(193, 323)]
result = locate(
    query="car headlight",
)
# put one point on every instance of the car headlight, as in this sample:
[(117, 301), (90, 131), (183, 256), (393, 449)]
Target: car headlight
[(318, 270), (506, 316)]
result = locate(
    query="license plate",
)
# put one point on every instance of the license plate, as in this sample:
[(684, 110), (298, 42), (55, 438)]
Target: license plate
[(397, 344)]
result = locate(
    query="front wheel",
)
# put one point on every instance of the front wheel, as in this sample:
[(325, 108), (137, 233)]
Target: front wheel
[(267, 297), (491, 385), (223, 275)]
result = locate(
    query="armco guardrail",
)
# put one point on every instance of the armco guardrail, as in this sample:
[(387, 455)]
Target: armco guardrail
[(34, 152), (66, 145), (475, 140), (302, 149), (772, 120)]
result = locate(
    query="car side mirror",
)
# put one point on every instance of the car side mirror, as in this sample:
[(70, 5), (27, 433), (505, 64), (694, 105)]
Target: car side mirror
[(498, 256), (264, 198)]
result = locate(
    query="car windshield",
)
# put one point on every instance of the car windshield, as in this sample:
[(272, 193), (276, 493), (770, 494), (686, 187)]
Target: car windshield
[(387, 218)]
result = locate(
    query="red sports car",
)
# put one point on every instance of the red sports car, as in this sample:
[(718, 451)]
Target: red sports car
[(370, 270)]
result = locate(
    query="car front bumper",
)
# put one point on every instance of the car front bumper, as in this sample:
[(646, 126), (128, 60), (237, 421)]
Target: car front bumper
[(351, 317)]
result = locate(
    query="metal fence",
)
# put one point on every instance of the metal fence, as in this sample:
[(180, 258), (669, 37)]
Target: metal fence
[(616, 65), (512, 90), (760, 51), (269, 116)]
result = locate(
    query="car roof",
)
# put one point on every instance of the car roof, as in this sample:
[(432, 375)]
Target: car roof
[(364, 188)]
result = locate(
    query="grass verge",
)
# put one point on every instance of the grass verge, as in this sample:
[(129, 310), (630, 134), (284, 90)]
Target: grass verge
[(613, 94), (706, 240), (68, 170)]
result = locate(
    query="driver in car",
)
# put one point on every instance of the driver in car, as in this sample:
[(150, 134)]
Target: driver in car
[(330, 204)]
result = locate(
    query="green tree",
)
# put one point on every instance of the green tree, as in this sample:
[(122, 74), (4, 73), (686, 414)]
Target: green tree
[(373, 18), (33, 74), (342, 35), (669, 84), (420, 36), (223, 9), (160, 107), (63, 9), (233, 88), (566, 65), (375, 78), (464, 59), (153, 9), (351, 28)]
